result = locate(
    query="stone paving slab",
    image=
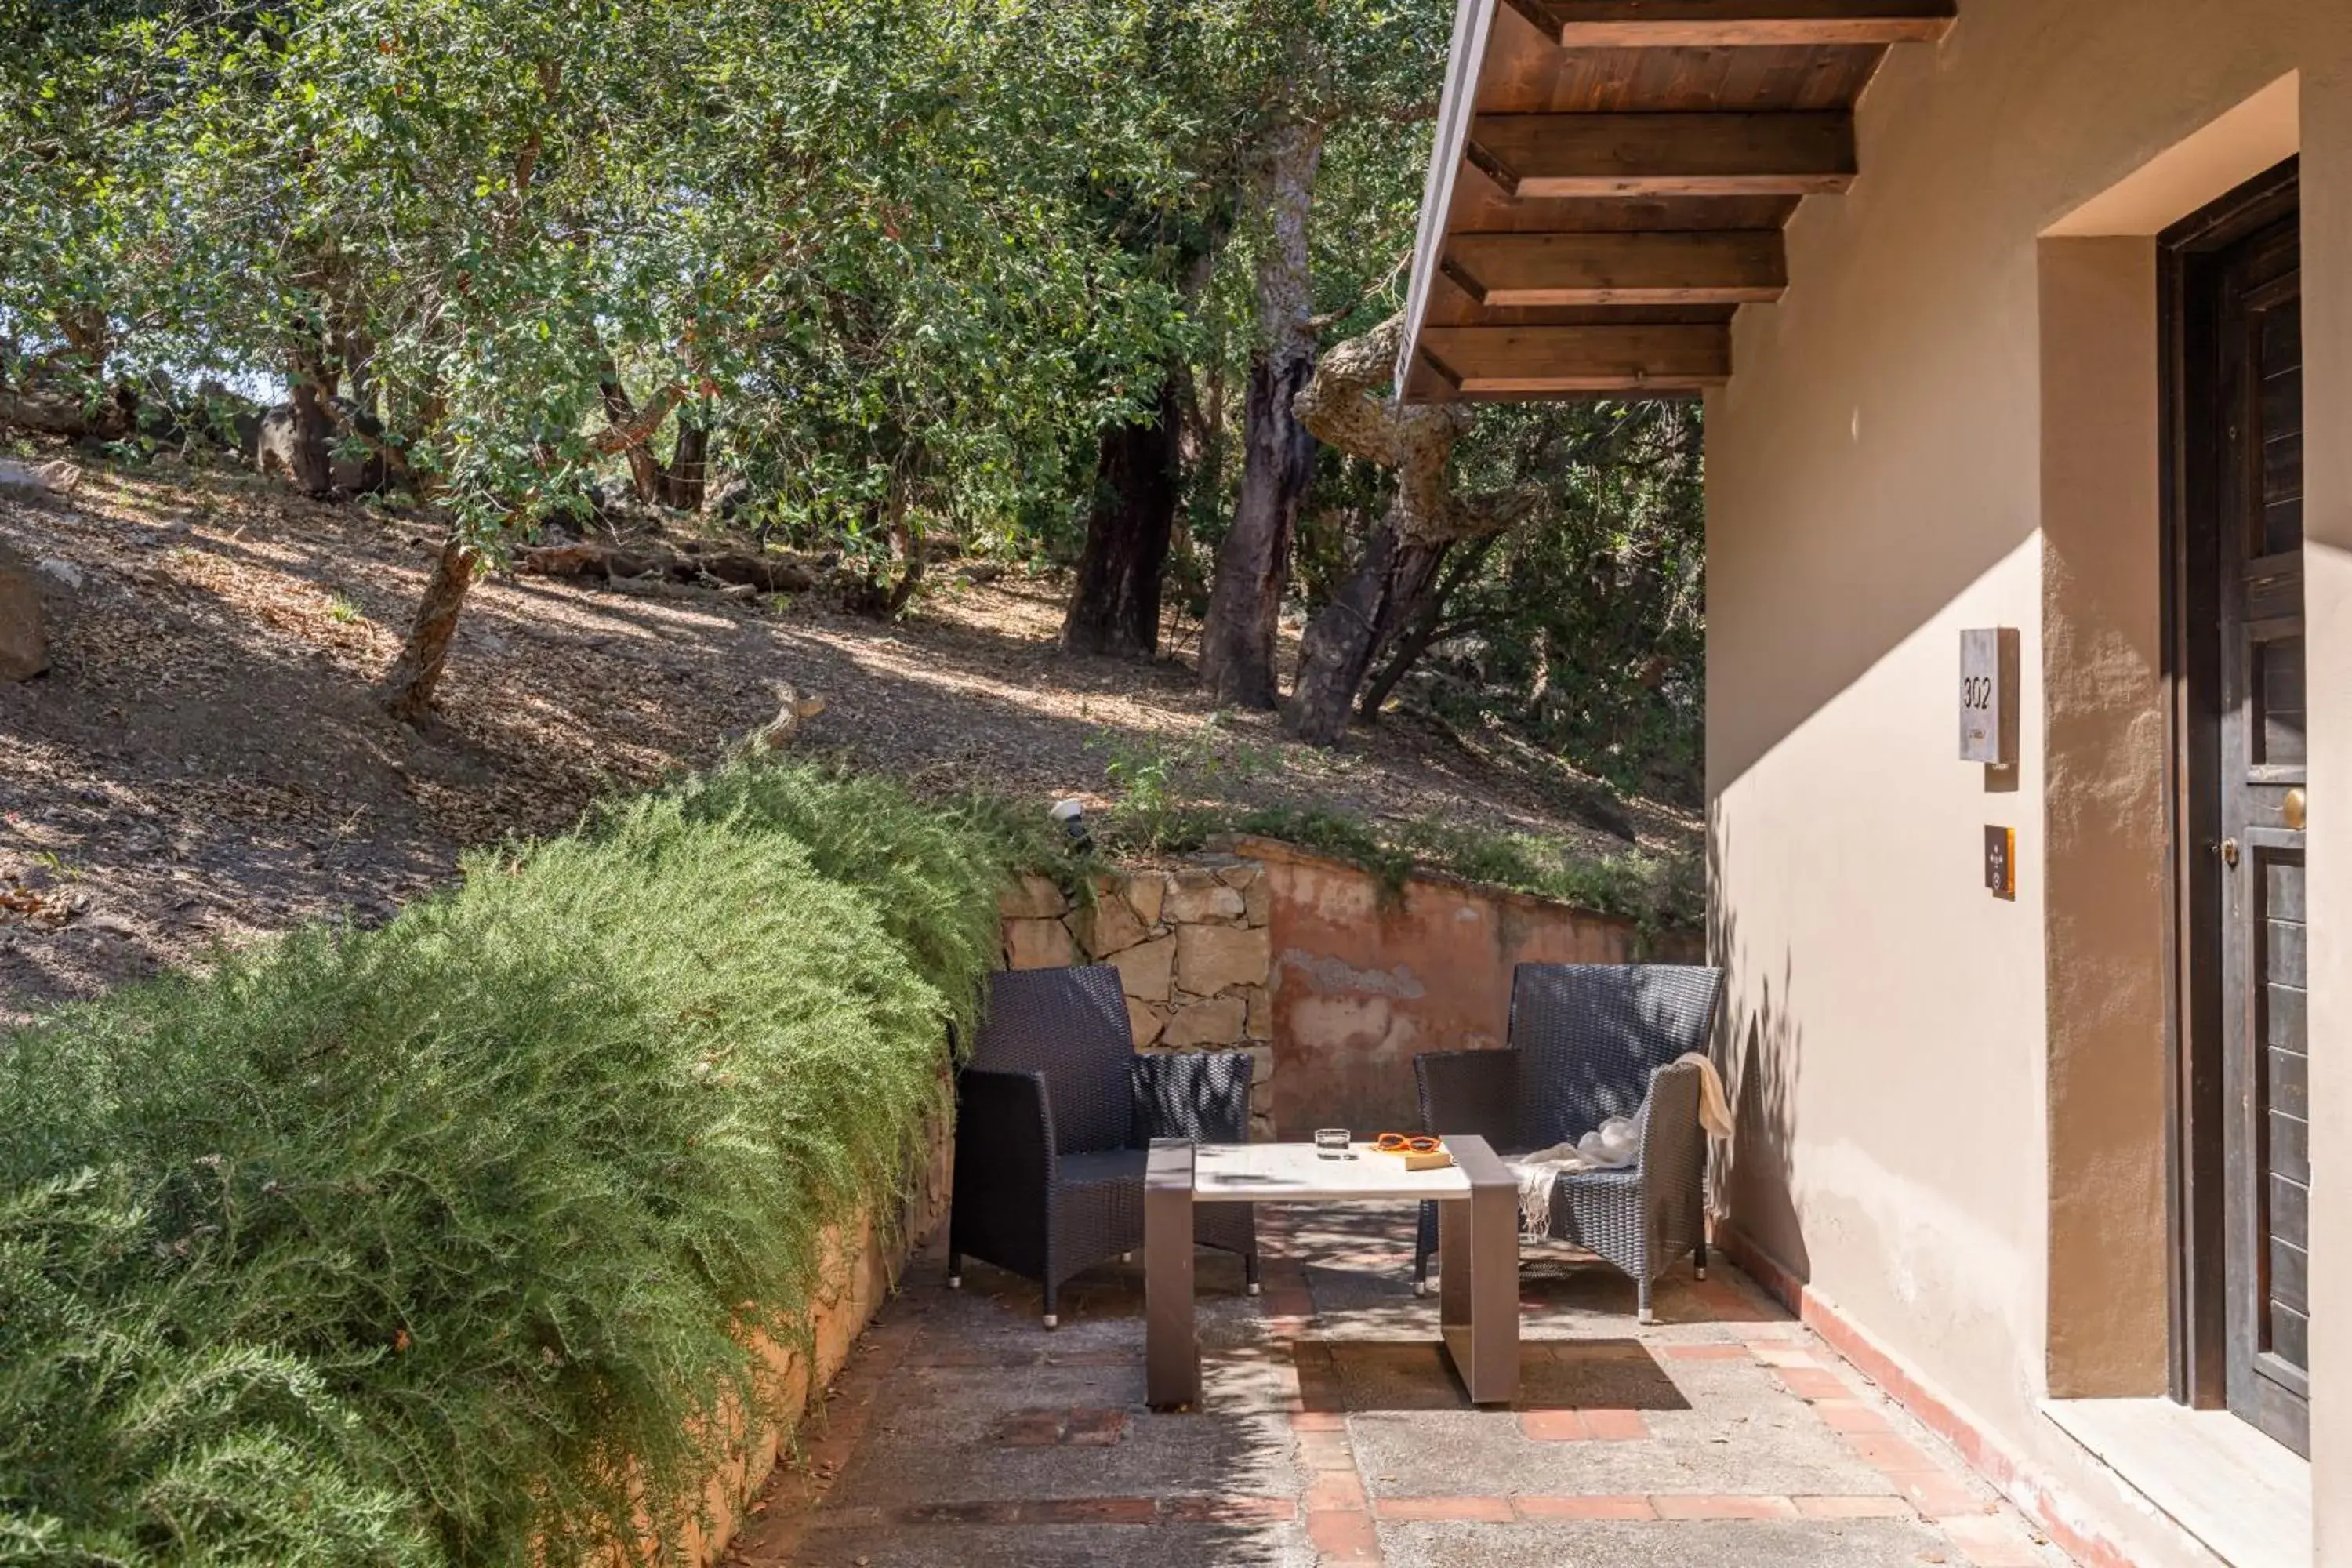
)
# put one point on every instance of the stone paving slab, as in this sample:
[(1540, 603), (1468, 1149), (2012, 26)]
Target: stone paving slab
[(1332, 1433)]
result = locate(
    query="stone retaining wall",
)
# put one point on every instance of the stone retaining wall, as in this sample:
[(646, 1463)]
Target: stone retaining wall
[(1334, 979), (1193, 945)]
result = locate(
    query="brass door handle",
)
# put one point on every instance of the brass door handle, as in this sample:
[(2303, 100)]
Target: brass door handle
[(2229, 851), (2294, 810)]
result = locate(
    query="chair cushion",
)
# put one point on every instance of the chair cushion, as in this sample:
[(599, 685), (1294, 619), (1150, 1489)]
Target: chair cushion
[(1106, 1168)]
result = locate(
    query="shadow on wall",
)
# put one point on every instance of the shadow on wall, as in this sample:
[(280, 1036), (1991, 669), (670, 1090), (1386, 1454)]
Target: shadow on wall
[(1759, 1052)]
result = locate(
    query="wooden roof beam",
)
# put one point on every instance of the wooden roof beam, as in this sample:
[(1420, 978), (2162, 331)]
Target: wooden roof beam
[(1731, 268), (1655, 361), (1720, 154), (1730, 23)]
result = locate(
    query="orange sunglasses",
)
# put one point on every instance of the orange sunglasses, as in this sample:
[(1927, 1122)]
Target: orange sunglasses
[(1406, 1142)]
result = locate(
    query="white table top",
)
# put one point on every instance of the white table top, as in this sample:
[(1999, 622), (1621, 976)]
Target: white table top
[(1288, 1172)]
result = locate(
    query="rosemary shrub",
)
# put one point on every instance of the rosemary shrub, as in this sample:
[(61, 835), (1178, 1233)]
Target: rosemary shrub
[(439, 1243)]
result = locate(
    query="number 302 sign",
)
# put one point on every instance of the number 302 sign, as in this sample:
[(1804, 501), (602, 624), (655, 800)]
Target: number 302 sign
[(1989, 663)]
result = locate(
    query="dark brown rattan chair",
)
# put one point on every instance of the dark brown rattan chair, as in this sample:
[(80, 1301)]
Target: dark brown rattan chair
[(1587, 1043), (1055, 1117)]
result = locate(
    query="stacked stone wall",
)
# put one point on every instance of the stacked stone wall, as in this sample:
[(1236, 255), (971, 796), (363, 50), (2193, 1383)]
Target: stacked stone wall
[(1193, 945)]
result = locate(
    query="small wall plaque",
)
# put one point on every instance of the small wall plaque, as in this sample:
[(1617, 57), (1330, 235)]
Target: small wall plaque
[(1989, 663), (2000, 862)]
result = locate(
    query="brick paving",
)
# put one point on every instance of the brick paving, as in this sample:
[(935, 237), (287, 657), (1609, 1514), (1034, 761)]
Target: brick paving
[(1331, 1432)]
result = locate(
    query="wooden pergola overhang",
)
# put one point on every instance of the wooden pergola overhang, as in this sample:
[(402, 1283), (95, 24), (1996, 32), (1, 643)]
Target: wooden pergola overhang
[(1613, 179)]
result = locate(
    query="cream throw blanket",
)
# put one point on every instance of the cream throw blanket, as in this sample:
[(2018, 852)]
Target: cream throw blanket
[(1612, 1146)]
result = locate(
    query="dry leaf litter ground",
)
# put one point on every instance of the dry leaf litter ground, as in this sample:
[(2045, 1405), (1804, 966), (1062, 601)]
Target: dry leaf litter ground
[(206, 761)]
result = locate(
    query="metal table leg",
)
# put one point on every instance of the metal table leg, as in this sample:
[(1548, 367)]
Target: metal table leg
[(1478, 1278), (1171, 1345)]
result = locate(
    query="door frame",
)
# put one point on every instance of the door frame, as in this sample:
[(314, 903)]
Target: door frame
[(2195, 1112)]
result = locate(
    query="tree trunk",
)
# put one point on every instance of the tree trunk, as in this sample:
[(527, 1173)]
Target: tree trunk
[(1350, 403), (682, 480), (907, 544), (1115, 607), (620, 411), (868, 597), (1237, 639), (1423, 628), (1392, 584), (314, 426), (409, 685)]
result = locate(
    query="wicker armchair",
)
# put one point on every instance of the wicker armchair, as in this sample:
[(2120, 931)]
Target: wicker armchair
[(1055, 1117), (1588, 1043)]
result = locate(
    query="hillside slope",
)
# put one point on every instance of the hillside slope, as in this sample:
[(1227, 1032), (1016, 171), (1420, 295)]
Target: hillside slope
[(206, 761)]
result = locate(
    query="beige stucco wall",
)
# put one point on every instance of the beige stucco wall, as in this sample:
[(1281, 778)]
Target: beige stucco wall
[(1944, 1094)]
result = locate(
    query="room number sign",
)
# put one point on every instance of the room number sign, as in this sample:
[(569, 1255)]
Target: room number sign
[(1988, 660)]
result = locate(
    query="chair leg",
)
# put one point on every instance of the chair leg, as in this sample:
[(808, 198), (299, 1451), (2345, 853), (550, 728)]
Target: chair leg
[(1642, 1293), (1249, 1272), (1051, 1319), (1420, 1272), (955, 1270), (1700, 1257)]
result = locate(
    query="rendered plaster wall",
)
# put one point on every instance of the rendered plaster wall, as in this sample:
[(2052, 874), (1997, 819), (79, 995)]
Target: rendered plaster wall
[(1951, 1104), (1368, 976), (2103, 819)]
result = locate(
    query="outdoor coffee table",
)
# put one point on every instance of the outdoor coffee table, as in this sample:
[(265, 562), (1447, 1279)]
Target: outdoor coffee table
[(1478, 1246)]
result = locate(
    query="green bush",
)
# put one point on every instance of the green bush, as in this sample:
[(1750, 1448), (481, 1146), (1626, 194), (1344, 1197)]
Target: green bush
[(434, 1243)]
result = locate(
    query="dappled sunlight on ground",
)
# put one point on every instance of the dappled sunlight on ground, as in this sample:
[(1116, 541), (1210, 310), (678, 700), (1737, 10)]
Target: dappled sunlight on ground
[(1331, 1431)]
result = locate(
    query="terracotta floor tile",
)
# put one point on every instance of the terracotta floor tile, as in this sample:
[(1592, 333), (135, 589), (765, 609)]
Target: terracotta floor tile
[(1992, 1543), (1335, 1490), (1095, 1428), (1326, 1451), (1090, 1510), (1030, 1429), (1705, 1353), (1724, 1507), (1344, 1537), (1886, 1451), (1554, 1426), (1853, 1507), (1586, 1508), (1813, 1383), (1938, 1494), (1229, 1510), (994, 1512), (1616, 1426), (1850, 1415), (1489, 1509)]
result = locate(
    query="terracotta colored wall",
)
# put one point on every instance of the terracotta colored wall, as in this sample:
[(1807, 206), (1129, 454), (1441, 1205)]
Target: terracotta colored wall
[(861, 1259), (1945, 1098), (1365, 980)]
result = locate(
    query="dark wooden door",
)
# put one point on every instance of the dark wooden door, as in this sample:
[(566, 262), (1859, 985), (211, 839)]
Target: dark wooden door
[(2261, 945)]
